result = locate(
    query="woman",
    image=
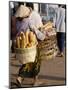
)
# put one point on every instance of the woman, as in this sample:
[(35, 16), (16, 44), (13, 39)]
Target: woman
[(24, 23), (60, 26)]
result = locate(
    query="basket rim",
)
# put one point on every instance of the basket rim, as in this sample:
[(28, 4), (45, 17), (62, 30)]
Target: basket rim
[(26, 48)]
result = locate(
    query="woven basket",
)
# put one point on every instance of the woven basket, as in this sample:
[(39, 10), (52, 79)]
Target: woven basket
[(48, 48), (26, 55)]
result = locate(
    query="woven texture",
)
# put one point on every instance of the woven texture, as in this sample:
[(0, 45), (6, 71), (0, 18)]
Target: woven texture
[(48, 48)]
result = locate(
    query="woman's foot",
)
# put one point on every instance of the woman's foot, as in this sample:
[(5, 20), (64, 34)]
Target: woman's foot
[(19, 81), (60, 54), (34, 80)]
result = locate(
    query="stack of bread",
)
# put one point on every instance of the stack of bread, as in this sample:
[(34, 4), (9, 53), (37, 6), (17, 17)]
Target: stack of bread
[(25, 40), (48, 25), (48, 47), (48, 29)]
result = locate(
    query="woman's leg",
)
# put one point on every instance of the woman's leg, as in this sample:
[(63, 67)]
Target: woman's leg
[(20, 77)]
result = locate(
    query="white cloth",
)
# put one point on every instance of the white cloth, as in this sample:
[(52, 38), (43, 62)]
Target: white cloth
[(22, 11), (36, 19), (35, 23), (60, 19)]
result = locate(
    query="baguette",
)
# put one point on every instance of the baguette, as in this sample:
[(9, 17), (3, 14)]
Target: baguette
[(17, 42), (22, 41), (26, 37)]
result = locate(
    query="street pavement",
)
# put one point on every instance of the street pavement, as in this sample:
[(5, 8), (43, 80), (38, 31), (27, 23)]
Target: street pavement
[(52, 73)]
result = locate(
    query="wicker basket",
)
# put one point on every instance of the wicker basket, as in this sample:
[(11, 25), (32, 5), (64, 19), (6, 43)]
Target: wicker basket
[(48, 48), (26, 55)]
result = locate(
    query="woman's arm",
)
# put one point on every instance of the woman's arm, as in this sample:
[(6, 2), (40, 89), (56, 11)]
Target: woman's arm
[(38, 33)]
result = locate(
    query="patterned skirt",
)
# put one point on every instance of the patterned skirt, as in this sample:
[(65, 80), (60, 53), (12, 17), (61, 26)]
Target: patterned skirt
[(30, 69)]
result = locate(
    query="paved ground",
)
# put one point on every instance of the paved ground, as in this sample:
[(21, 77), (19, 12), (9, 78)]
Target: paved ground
[(52, 72)]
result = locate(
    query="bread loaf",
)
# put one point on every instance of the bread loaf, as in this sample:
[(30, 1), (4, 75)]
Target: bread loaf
[(17, 42), (22, 41), (26, 40), (47, 26), (30, 36), (27, 37)]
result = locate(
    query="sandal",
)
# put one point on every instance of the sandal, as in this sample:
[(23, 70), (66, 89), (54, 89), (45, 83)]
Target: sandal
[(19, 81), (60, 54)]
